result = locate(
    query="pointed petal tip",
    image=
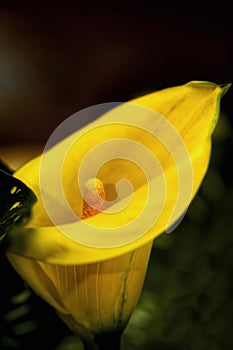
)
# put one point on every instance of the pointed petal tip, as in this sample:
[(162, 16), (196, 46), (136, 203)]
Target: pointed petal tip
[(225, 88)]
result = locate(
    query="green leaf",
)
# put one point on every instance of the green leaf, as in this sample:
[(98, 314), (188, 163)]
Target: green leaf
[(16, 201)]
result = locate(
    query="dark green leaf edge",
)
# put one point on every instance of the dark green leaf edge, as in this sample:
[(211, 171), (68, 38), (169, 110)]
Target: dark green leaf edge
[(16, 202)]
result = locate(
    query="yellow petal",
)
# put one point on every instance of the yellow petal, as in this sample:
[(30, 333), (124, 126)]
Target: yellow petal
[(101, 296), (192, 109), (97, 298)]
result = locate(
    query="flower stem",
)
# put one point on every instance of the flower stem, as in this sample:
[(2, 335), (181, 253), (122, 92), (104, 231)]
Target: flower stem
[(105, 342)]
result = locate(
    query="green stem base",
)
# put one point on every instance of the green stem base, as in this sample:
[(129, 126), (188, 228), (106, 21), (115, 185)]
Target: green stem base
[(108, 341)]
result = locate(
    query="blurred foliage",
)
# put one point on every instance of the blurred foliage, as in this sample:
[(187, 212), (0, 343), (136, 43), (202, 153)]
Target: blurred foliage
[(187, 301)]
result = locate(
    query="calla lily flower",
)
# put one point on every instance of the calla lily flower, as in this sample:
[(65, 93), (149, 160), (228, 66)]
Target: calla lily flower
[(95, 281)]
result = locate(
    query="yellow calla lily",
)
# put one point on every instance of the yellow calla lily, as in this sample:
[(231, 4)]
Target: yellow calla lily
[(92, 270)]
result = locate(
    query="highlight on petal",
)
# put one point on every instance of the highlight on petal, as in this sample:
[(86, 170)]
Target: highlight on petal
[(159, 145)]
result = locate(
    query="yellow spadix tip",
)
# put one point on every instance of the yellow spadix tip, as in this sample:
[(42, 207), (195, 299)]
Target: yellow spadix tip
[(94, 198)]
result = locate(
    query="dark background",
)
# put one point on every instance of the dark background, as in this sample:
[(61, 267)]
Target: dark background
[(56, 59)]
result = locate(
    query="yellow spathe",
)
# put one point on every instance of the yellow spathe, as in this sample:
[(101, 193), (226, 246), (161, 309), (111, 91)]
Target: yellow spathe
[(94, 288), (192, 109)]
